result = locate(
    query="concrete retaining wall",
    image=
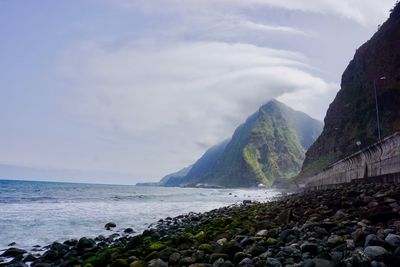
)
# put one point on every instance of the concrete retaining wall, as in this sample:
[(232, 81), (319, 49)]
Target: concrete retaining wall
[(377, 160)]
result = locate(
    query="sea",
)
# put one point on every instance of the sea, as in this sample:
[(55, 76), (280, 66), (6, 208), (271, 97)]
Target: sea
[(39, 213)]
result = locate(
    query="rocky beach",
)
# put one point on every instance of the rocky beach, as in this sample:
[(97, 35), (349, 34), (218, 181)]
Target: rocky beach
[(355, 224)]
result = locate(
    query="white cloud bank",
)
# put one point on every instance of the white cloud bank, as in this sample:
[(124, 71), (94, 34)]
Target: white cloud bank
[(364, 12), (187, 93), (361, 11)]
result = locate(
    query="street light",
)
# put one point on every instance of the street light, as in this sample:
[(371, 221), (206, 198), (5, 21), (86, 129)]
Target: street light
[(377, 109)]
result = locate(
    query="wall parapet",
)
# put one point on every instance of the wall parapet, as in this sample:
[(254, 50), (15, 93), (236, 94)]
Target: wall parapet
[(379, 159)]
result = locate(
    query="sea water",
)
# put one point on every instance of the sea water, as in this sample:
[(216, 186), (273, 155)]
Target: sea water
[(39, 213)]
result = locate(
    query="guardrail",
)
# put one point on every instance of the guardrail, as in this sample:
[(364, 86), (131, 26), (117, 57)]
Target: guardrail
[(378, 160)]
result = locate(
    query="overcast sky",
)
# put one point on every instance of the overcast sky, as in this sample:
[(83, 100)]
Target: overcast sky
[(144, 87)]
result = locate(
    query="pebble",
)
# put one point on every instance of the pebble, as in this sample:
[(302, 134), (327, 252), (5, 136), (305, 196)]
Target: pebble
[(373, 240), (393, 240), (219, 262), (309, 247), (246, 261), (157, 263), (263, 233), (272, 262), (376, 252)]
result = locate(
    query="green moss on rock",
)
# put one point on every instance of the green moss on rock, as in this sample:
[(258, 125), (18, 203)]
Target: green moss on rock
[(157, 246), (206, 248), (120, 263), (271, 241)]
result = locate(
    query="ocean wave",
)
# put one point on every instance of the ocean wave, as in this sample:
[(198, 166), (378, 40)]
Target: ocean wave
[(10, 200), (131, 197), (162, 197)]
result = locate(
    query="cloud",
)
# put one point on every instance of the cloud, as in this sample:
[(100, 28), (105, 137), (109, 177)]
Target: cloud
[(186, 93), (210, 20), (363, 12), (270, 28), (313, 101)]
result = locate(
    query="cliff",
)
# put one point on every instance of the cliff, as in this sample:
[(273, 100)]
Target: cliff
[(351, 120)]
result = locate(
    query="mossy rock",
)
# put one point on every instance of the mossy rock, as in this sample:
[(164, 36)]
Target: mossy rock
[(134, 242), (138, 263), (87, 255), (120, 263), (200, 235), (184, 246), (101, 259), (206, 248), (188, 235), (157, 246), (271, 241), (132, 252), (216, 256), (220, 221), (147, 240), (73, 259)]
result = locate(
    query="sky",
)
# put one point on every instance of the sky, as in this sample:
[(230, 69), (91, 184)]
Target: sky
[(141, 88)]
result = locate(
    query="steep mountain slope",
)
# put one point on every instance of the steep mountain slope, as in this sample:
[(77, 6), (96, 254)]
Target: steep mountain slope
[(167, 179), (351, 117), (208, 160), (269, 145), (203, 164)]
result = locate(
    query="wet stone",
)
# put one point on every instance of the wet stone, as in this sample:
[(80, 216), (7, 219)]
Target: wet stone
[(309, 247), (359, 258), (375, 252), (219, 262), (157, 263), (13, 252), (246, 261), (227, 264), (216, 256), (393, 240), (373, 240), (110, 225), (272, 262), (186, 261)]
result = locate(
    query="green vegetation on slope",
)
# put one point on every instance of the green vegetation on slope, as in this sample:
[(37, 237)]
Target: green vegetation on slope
[(269, 145)]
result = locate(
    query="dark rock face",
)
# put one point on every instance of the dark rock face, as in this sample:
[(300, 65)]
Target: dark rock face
[(351, 117)]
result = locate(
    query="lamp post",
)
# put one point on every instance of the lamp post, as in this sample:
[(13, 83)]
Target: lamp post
[(377, 108)]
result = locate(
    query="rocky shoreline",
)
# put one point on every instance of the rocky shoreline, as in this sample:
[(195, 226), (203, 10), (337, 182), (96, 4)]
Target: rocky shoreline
[(355, 224)]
